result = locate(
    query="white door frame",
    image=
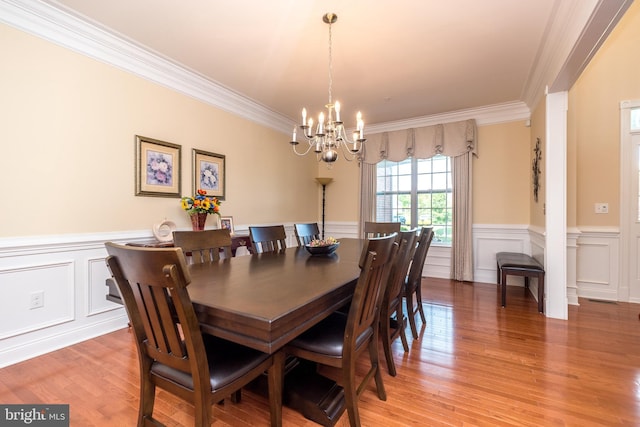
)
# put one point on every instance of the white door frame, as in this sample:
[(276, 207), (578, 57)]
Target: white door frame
[(626, 199)]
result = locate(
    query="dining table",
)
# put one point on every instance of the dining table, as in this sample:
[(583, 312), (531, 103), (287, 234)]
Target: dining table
[(266, 300)]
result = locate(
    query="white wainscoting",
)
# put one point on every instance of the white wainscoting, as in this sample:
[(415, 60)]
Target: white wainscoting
[(70, 272), (488, 240), (598, 261)]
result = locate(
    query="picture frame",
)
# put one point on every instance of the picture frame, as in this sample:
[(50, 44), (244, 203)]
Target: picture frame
[(209, 173), (226, 222), (158, 168)]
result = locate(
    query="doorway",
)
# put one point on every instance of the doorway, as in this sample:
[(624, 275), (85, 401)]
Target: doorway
[(630, 201)]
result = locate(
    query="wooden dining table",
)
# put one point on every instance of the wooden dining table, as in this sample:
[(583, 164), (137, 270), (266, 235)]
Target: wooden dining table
[(264, 301)]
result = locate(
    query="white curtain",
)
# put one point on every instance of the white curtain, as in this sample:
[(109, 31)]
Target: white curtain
[(457, 140), (462, 244), (367, 195)]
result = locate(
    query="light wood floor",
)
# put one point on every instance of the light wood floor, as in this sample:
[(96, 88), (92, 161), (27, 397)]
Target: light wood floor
[(475, 364)]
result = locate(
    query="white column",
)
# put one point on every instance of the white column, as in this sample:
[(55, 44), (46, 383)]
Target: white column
[(556, 304)]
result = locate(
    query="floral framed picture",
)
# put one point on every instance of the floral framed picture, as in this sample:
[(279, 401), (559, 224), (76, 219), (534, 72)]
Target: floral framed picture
[(226, 222), (158, 168), (209, 173)]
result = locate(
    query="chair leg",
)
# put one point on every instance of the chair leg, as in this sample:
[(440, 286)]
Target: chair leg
[(375, 362), (419, 302), (385, 331), (351, 396), (147, 400), (401, 327), (411, 312), (202, 405)]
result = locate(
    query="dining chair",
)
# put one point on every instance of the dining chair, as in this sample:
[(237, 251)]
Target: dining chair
[(271, 238), (305, 233), (413, 285), (203, 246), (392, 318), (378, 229), (173, 353), (339, 339)]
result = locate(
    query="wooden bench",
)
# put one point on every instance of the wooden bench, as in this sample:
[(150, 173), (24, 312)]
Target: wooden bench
[(518, 264)]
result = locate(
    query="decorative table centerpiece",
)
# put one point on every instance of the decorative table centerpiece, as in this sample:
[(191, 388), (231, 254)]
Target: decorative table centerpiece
[(199, 206), (322, 246)]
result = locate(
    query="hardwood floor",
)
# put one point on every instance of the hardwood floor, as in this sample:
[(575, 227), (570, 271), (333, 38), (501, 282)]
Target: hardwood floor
[(475, 364)]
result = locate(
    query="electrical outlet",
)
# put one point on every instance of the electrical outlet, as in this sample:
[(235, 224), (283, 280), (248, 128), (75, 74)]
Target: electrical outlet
[(602, 208), (37, 300)]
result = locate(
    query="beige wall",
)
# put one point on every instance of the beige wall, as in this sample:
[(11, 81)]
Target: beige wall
[(501, 174), (501, 179), (594, 120), (342, 198), (68, 127), (68, 131)]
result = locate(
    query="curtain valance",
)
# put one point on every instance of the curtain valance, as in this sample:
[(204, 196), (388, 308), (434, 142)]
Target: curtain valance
[(449, 139)]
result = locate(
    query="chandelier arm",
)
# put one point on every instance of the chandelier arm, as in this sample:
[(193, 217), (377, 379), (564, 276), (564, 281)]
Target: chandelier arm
[(349, 155), (305, 152)]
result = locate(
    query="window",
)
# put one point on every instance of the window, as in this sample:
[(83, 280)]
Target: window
[(635, 119), (416, 192)]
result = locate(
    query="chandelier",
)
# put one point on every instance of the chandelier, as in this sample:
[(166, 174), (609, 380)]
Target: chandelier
[(329, 135)]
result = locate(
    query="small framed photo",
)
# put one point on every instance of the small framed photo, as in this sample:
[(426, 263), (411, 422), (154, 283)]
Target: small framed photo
[(209, 173), (226, 222), (158, 171)]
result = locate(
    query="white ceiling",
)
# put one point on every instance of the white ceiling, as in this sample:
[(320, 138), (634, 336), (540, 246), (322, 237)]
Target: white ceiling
[(391, 60)]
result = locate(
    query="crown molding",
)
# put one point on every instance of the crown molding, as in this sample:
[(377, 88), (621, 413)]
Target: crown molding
[(575, 32), (69, 31), (487, 115)]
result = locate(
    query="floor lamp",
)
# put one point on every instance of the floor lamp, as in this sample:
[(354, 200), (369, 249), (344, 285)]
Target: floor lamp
[(324, 182)]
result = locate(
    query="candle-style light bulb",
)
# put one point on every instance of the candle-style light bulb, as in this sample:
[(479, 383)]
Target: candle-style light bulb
[(337, 111), (310, 126), (294, 134), (321, 123), (304, 116), (360, 125)]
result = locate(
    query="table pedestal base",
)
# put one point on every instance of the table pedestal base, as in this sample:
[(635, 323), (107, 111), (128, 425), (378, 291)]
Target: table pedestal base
[(316, 397)]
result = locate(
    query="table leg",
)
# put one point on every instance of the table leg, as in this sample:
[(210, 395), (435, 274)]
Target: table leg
[(276, 379)]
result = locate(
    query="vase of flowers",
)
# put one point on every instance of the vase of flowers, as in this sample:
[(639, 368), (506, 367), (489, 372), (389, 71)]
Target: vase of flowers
[(199, 206)]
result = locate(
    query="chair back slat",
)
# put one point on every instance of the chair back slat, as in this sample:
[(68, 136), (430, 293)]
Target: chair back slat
[(203, 246), (305, 233), (365, 305), (400, 265), (268, 238), (380, 229)]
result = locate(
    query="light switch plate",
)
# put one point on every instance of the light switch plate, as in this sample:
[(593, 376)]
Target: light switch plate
[(602, 208)]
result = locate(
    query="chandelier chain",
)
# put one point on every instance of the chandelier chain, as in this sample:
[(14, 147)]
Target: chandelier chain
[(330, 66)]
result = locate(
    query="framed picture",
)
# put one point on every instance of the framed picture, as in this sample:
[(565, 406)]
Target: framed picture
[(158, 170), (226, 222), (209, 173)]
